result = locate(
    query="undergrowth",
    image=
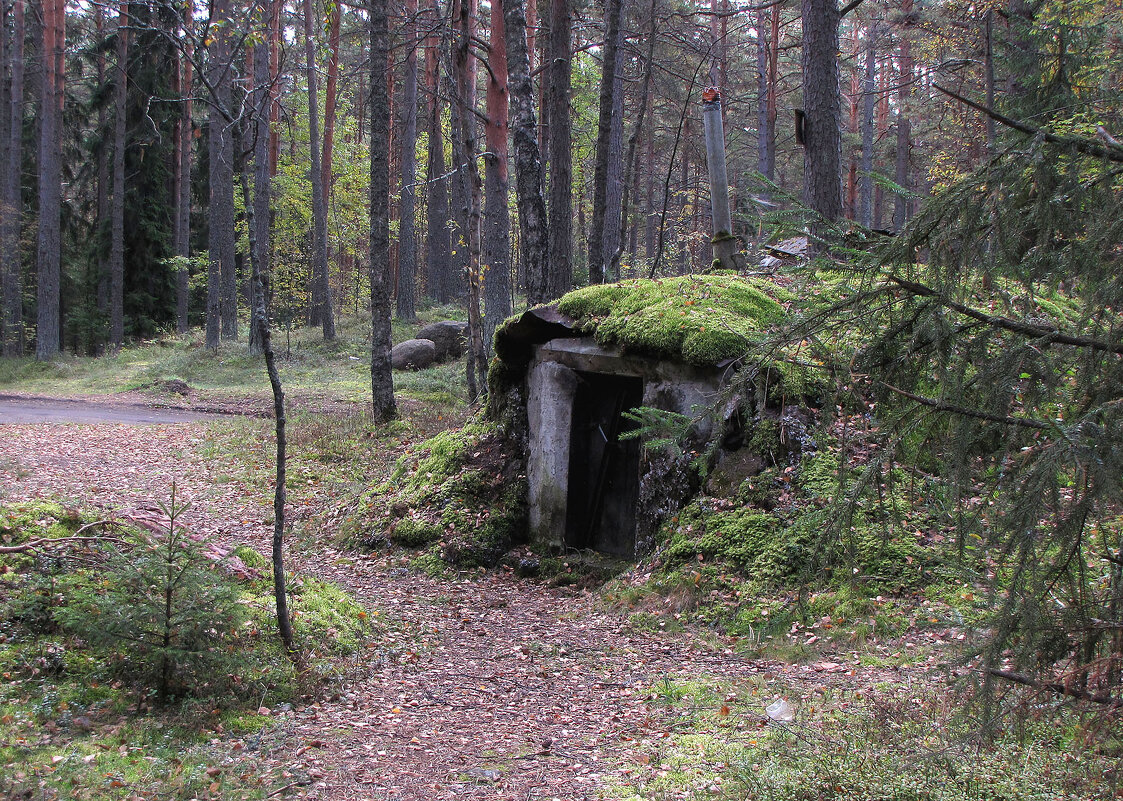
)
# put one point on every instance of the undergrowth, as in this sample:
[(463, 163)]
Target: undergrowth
[(95, 705)]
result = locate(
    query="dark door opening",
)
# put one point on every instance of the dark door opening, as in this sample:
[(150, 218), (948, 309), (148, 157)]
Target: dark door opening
[(603, 469)]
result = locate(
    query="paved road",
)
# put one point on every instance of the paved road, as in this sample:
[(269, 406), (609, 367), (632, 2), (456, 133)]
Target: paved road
[(22, 410)]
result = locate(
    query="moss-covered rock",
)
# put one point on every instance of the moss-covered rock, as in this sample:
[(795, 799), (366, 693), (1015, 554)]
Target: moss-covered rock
[(463, 490), (700, 319)]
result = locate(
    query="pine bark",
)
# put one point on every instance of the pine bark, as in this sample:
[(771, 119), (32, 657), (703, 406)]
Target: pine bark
[(48, 245), (608, 86), (221, 285), (869, 98), (184, 139), (407, 204), (560, 267), (330, 97), (463, 12), (381, 376), (496, 273), (117, 211), (904, 123), (528, 159), (321, 295), (11, 200), (437, 246), (823, 108), (262, 194)]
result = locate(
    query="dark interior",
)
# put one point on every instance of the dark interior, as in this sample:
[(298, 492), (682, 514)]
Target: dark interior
[(603, 469)]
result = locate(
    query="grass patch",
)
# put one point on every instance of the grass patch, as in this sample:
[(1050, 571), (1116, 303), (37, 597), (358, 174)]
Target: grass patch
[(715, 740)]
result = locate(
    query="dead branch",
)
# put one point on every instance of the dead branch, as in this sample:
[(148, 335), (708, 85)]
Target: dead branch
[(53, 542), (1057, 687)]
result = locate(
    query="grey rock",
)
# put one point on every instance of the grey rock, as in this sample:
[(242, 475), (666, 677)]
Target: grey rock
[(449, 336), (415, 354)]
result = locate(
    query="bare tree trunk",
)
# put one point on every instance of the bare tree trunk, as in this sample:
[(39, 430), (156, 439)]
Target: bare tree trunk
[(881, 128), (869, 97), (988, 75), (496, 273), (407, 206), (262, 250), (381, 375), (184, 139), (528, 161), (822, 107), (437, 246), (275, 9), (633, 141), (463, 12), (321, 295), (11, 200), (117, 212), (221, 286), (560, 267), (613, 10), (280, 593), (330, 103), (48, 247), (904, 124)]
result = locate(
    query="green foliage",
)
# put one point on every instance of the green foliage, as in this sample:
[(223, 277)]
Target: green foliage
[(703, 320), (159, 605)]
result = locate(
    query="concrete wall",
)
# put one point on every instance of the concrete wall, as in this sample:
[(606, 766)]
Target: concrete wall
[(551, 385)]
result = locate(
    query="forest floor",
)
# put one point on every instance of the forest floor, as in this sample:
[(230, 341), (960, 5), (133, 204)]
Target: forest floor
[(480, 685)]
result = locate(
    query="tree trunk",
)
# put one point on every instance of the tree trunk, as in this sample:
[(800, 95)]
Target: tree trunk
[(330, 94), (463, 12), (184, 139), (48, 245), (904, 124), (11, 199), (381, 376), (275, 9), (437, 246), (613, 10), (560, 267), (822, 107), (280, 593), (262, 195), (881, 128), (221, 286), (633, 142), (496, 272), (528, 161), (407, 206), (321, 294), (117, 212), (869, 98)]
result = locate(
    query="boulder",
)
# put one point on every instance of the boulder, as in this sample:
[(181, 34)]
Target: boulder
[(415, 354), (449, 336)]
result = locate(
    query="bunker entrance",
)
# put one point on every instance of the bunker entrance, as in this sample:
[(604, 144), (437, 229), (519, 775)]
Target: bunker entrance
[(604, 470)]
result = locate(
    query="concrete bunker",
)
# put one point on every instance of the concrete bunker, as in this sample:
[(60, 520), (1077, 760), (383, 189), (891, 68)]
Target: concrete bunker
[(586, 479)]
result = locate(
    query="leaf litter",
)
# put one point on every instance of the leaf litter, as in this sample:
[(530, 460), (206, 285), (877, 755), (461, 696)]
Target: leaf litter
[(482, 686)]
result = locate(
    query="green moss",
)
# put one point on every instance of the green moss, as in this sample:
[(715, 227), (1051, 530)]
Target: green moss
[(251, 558), (463, 489), (704, 320), (413, 533)]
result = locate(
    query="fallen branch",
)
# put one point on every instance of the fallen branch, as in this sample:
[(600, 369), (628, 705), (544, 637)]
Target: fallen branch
[(50, 542), (1057, 687)]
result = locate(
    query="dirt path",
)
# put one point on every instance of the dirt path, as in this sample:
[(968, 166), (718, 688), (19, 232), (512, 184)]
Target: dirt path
[(486, 688)]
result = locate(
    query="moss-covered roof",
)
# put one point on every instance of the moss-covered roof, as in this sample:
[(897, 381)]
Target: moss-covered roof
[(701, 319)]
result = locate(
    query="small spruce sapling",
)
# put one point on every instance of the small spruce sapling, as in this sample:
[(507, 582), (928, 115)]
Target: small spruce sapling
[(162, 607)]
